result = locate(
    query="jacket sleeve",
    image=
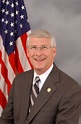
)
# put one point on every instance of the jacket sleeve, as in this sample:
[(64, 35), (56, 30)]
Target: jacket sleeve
[(6, 121), (7, 114), (70, 107)]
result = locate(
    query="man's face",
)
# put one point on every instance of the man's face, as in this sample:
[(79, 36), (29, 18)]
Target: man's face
[(41, 54)]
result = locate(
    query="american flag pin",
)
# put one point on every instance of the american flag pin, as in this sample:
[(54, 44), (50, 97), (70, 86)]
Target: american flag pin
[(49, 90)]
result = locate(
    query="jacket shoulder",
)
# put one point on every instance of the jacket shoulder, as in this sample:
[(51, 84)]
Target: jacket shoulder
[(23, 76)]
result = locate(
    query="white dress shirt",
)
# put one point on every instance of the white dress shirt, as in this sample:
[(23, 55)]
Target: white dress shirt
[(42, 77)]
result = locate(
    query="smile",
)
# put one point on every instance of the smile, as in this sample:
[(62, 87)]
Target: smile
[(39, 59)]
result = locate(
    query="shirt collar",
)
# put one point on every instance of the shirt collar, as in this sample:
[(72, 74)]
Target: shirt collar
[(43, 76)]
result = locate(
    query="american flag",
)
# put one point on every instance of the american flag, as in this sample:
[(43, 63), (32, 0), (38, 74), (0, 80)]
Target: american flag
[(14, 30)]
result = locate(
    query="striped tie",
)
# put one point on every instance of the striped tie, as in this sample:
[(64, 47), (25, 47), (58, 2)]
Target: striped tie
[(34, 92)]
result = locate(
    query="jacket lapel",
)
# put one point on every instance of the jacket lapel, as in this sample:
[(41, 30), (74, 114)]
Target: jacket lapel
[(46, 92), (25, 93)]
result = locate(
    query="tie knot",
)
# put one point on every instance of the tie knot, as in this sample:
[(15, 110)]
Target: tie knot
[(36, 85), (37, 80)]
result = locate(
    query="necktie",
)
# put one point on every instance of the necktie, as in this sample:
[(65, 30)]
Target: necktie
[(34, 92)]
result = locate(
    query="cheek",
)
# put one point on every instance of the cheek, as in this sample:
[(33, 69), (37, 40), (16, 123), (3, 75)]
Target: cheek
[(29, 53)]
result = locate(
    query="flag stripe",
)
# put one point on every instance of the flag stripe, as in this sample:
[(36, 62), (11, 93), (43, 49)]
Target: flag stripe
[(21, 53), (14, 31), (24, 42), (18, 64), (12, 61), (1, 109), (6, 68), (4, 73), (3, 87), (3, 100)]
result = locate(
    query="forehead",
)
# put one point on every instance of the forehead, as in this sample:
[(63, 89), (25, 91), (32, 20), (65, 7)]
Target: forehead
[(39, 41)]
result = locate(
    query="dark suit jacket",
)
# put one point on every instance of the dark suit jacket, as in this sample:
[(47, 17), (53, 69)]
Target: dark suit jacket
[(59, 105)]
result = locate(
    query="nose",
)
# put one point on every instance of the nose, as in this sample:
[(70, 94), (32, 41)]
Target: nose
[(38, 51)]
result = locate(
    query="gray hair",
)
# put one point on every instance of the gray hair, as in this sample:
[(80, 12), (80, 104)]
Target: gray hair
[(42, 34)]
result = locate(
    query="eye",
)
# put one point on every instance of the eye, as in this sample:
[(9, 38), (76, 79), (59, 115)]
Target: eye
[(44, 47), (33, 47)]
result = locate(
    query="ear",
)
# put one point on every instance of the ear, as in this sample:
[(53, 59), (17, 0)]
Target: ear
[(54, 51)]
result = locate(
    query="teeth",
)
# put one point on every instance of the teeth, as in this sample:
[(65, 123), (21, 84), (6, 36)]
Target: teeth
[(40, 59)]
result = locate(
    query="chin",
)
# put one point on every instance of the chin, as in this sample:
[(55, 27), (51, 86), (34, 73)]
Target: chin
[(38, 67)]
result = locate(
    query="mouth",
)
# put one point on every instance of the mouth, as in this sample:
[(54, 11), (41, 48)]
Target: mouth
[(39, 59)]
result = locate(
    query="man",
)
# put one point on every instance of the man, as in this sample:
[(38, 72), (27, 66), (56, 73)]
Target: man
[(59, 97)]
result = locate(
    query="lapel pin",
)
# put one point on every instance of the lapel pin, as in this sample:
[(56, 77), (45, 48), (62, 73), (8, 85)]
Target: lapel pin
[(49, 90)]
